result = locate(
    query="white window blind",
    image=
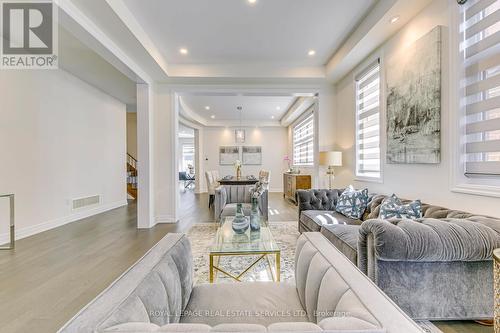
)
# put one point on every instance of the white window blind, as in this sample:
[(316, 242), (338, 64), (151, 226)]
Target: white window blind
[(368, 122), (303, 142), (480, 48), (187, 156)]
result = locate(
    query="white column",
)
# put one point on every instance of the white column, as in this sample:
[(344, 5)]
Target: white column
[(200, 161), (166, 166), (145, 189)]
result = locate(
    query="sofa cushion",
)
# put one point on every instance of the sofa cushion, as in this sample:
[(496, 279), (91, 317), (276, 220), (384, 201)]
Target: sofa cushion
[(352, 203), (345, 238), (261, 303), (294, 327), (181, 328), (314, 219), (133, 327), (349, 323), (235, 328)]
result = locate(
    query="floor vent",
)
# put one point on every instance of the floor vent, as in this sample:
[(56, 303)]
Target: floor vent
[(84, 202)]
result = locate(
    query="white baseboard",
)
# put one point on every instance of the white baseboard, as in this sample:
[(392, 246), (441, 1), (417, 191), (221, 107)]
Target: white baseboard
[(165, 219), (41, 227)]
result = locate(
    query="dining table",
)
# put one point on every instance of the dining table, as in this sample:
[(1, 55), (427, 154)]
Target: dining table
[(231, 180)]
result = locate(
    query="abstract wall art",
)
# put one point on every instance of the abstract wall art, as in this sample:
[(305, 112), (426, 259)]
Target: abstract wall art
[(413, 78)]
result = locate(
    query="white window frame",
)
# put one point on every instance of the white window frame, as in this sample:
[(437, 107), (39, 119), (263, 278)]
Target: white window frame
[(308, 114), (460, 183), (365, 67)]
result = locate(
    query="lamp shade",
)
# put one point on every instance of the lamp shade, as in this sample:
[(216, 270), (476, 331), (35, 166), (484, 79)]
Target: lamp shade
[(330, 158)]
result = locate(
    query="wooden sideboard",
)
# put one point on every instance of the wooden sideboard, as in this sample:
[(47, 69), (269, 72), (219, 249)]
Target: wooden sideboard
[(293, 182)]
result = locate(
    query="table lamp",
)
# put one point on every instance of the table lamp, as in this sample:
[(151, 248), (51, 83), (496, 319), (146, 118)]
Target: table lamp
[(330, 159)]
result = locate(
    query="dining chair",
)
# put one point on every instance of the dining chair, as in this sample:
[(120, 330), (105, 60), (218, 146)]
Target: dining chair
[(212, 183), (265, 177)]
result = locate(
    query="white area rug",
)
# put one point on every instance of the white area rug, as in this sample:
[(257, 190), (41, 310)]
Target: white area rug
[(285, 234), (201, 236)]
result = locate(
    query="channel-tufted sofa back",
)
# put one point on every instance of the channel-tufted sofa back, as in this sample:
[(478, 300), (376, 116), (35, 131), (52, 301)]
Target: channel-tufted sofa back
[(155, 291), (238, 193), (331, 288), (318, 199), (327, 200)]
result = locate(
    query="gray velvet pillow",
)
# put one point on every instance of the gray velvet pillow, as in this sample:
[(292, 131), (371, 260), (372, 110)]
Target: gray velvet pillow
[(392, 207)]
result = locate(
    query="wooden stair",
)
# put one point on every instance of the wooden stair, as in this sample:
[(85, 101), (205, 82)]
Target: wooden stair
[(131, 176)]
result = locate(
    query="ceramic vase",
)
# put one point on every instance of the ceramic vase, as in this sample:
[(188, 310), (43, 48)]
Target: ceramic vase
[(255, 215), (240, 221)]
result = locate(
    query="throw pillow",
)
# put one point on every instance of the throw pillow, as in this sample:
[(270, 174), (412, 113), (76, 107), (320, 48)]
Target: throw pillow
[(393, 207), (352, 203)]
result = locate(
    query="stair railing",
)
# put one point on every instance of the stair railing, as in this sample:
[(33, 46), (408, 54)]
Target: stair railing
[(131, 171), (131, 161)]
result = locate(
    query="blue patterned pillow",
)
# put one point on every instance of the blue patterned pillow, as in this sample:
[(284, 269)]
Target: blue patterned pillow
[(352, 203), (392, 207)]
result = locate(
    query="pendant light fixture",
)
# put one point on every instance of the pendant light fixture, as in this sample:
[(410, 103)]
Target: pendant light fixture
[(239, 133)]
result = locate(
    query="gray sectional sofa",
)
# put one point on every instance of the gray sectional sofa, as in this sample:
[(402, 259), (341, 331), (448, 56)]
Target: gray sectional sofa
[(157, 295), (438, 267)]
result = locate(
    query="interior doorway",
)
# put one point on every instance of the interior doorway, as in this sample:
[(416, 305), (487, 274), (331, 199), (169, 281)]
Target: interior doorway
[(186, 159)]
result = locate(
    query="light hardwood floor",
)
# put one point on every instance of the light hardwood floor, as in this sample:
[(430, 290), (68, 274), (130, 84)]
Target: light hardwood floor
[(50, 276)]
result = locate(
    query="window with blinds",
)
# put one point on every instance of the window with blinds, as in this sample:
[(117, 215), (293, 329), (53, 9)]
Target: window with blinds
[(187, 156), (368, 122), (303, 142), (480, 48)]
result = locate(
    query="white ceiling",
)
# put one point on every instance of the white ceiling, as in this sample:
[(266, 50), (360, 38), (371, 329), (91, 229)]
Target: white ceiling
[(233, 39), (224, 108), (235, 32), (83, 62)]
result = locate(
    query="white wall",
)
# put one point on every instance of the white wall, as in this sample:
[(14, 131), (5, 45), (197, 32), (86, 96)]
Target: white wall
[(59, 139), (132, 134), (431, 183), (274, 147)]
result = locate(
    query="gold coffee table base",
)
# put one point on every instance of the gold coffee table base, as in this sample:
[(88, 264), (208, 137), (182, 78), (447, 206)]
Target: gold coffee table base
[(214, 268)]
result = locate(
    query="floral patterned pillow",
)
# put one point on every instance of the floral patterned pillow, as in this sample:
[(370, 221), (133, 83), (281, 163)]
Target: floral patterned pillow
[(393, 207), (352, 203)]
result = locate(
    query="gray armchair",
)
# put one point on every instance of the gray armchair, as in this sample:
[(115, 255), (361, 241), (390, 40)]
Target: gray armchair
[(227, 196)]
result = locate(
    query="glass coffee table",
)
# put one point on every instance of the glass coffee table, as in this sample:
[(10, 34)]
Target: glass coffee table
[(259, 244)]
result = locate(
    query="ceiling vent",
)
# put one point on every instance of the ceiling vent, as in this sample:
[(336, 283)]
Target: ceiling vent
[(87, 201)]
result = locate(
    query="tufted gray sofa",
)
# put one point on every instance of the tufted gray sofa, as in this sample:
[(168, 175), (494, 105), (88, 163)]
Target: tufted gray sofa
[(439, 267), (157, 295), (227, 196)]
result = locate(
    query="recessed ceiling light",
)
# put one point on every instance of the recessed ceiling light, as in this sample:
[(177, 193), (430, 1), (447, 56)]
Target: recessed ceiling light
[(272, 117), (207, 107), (394, 19), (311, 52), (212, 116), (252, 2), (183, 50), (278, 108)]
